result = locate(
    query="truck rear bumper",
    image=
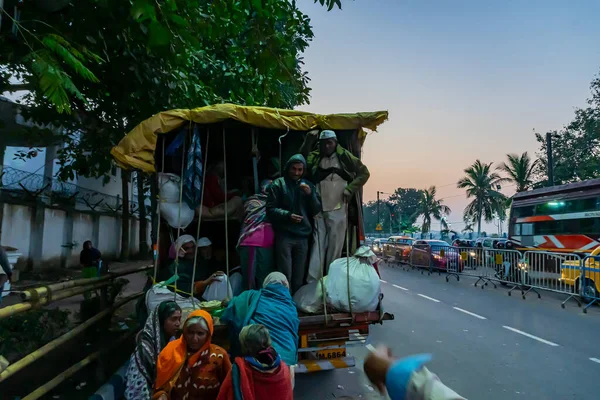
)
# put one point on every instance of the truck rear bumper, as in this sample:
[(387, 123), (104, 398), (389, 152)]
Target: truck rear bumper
[(307, 366)]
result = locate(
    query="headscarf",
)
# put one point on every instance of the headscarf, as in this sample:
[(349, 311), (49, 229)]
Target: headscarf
[(174, 354), (151, 342), (327, 134), (255, 210), (182, 240), (203, 242), (276, 278), (255, 342)]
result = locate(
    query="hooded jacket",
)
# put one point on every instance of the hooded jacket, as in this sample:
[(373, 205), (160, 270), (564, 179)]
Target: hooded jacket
[(353, 170), (285, 197)]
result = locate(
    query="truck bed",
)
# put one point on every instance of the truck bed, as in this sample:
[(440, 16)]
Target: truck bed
[(341, 319)]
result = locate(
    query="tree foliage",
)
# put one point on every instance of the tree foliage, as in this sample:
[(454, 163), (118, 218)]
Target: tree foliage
[(34, 57), (520, 170), (430, 207), (397, 213), (576, 147), (165, 55), (482, 185)]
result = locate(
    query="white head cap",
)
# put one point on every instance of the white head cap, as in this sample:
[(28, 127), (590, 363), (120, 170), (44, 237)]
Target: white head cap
[(204, 242), (327, 134)]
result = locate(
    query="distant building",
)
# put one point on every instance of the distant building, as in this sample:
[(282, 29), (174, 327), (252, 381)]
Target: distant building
[(46, 219)]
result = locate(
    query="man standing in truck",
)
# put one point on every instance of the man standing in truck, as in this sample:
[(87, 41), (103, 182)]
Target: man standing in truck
[(292, 203), (338, 176)]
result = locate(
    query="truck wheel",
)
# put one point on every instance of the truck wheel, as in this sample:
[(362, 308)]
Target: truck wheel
[(588, 291)]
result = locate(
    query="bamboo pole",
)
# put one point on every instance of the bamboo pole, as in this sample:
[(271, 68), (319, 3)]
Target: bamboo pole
[(42, 351), (42, 291), (48, 386), (26, 306)]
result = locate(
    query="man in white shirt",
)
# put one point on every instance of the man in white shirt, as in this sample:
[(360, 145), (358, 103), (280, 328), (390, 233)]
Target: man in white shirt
[(338, 176)]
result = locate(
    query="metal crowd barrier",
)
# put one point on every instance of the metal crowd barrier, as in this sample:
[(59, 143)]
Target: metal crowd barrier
[(530, 271), (554, 272), (436, 258), (590, 281)]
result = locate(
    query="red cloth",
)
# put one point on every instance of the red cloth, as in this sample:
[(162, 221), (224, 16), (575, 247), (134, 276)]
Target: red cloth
[(213, 193), (256, 385), (377, 269)]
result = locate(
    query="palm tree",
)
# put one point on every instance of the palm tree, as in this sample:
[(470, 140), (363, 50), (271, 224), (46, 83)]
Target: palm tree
[(482, 186), (520, 170), (430, 207), (468, 228)]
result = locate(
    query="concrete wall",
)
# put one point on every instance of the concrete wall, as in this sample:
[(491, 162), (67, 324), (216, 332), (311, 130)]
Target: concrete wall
[(16, 229), (53, 229), (52, 237)]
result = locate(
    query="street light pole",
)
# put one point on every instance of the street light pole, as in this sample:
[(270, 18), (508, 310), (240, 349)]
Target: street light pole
[(378, 218)]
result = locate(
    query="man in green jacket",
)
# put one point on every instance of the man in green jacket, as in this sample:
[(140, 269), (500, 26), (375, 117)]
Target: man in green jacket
[(292, 203), (338, 176)]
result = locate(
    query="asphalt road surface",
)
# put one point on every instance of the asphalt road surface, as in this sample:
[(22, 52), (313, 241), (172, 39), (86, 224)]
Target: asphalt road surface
[(485, 344)]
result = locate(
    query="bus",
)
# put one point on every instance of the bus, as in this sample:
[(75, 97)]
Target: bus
[(563, 218)]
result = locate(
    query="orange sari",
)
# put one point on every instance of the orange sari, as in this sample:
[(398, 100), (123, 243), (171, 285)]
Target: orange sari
[(198, 375)]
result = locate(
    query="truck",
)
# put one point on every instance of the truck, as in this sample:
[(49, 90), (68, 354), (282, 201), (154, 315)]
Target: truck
[(252, 143)]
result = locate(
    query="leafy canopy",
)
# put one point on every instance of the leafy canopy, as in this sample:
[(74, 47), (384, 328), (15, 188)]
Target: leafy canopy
[(156, 56)]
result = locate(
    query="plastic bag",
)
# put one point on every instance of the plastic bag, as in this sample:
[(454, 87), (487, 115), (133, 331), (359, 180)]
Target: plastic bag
[(365, 287), (220, 290), (169, 185), (174, 217), (309, 298)]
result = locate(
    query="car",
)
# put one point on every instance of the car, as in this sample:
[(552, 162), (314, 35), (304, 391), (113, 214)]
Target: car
[(378, 245), (435, 254), (398, 248), (463, 243), (495, 243)]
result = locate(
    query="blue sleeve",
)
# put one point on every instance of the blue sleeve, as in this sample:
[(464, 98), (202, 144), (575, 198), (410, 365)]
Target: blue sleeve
[(399, 374)]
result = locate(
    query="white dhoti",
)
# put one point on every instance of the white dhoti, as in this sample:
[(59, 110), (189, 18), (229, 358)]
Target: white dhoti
[(330, 225), (328, 242)]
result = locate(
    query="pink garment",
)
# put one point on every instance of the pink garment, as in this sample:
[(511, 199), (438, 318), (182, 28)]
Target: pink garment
[(172, 253), (263, 236)]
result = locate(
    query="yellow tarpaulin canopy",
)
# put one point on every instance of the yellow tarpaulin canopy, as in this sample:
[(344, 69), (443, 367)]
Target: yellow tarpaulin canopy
[(136, 149)]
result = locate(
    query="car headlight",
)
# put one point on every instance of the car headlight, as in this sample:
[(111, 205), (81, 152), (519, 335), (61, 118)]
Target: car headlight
[(437, 257), (472, 254), (523, 265)]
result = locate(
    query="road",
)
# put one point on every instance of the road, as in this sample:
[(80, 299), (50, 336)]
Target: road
[(485, 344)]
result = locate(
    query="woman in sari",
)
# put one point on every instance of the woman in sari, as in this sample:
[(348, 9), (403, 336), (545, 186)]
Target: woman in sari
[(256, 240), (191, 367), (271, 306), (162, 327), (260, 374), (183, 268)]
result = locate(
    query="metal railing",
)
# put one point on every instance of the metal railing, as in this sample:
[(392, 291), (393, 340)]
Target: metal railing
[(527, 272), (22, 184)]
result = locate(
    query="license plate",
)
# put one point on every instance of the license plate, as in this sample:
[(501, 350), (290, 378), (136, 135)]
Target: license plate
[(331, 354)]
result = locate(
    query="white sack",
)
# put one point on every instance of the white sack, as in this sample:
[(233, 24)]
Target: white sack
[(176, 219), (168, 187), (220, 290), (365, 287), (157, 294), (309, 298)]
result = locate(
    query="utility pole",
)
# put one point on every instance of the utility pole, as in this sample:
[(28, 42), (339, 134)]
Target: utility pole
[(550, 159), (378, 218)]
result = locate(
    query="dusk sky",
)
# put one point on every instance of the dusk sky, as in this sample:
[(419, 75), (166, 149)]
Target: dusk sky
[(461, 80)]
